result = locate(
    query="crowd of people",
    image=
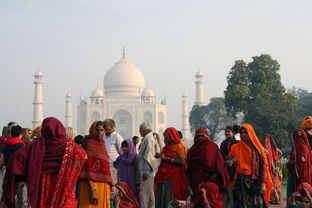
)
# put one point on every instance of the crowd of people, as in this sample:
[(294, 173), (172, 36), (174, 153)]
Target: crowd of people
[(53, 167)]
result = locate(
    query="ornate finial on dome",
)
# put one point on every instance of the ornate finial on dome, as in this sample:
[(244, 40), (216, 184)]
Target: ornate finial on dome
[(124, 52)]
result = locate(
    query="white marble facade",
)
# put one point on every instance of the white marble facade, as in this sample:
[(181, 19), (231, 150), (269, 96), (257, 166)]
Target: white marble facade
[(124, 99)]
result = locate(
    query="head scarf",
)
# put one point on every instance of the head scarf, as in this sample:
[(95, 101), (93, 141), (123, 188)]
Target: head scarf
[(243, 153), (92, 129), (97, 166), (305, 186), (40, 157), (129, 158), (307, 123), (131, 201), (207, 156), (201, 132), (54, 134), (173, 134), (303, 157)]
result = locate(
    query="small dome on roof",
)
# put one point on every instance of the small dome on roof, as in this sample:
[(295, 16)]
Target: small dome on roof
[(199, 74), (148, 92), (39, 74), (68, 94), (98, 92)]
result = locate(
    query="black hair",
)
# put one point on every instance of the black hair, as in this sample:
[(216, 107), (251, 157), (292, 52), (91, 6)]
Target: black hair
[(229, 128), (180, 134), (236, 129), (135, 137), (99, 123), (16, 131), (124, 143), (79, 139)]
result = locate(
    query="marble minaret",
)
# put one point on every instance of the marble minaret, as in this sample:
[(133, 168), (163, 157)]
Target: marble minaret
[(38, 100), (200, 99), (68, 111), (185, 117)]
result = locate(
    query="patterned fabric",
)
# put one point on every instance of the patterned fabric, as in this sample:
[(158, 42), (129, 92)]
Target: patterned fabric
[(245, 162), (128, 200), (303, 157), (247, 192), (97, 166), (57, 190)]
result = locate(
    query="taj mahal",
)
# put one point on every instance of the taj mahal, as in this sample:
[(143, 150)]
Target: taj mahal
[(124, 98)]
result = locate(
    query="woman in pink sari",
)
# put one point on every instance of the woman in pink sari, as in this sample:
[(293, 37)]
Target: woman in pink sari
[(50, 166)]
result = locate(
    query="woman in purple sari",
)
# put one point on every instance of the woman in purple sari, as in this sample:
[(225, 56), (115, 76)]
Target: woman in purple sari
[(125, 164)]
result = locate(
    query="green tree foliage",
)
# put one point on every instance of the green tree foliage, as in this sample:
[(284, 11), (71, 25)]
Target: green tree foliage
[(256, 91), (212, 117), (304, 103)]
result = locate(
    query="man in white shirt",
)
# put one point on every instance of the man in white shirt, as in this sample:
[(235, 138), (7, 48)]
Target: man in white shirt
[(147, 166), (113, 145)]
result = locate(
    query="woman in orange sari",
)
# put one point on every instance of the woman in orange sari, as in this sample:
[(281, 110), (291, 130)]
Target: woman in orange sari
[(170, 178), (252, 181)]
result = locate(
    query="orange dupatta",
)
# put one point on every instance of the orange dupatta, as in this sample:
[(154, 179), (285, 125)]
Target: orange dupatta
[(243, 153)]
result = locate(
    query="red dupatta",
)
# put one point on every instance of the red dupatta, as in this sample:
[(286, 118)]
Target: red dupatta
[(303, 157), (174, 172), (129, 200), (42, 156), (97, 165), (206, 156), (213, 195), (57, 191)]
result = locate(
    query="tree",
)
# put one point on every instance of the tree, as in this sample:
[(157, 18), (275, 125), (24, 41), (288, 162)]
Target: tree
[(304, 98), (256, 91), (212, 117)]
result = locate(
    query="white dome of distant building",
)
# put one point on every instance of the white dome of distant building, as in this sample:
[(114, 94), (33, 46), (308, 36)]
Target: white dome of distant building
[(98, 92), (123, 79), (184, 94), (148, 92)]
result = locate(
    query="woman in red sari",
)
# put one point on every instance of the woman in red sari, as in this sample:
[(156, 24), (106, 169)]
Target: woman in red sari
[(273, 155), (50, 166), (205, 164), (125, 197), (303, 158), (170, 178)]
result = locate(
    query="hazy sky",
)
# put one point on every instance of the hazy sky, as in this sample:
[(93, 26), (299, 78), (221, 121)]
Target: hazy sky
[(75, 42)]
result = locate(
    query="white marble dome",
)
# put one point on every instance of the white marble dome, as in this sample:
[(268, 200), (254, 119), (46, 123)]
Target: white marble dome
[(97, 92), (123, 79), (148, 92)]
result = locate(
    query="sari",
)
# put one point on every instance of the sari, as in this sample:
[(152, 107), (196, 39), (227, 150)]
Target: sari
[(303, 158), (213, 195), (170, 178), (128, 199), (251, 168), (205, 163), (125, 164), (59, 161), (97, 170), (273, 155)]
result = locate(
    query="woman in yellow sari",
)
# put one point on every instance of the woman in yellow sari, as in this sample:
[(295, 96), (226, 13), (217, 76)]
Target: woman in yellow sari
[(95, 175)]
